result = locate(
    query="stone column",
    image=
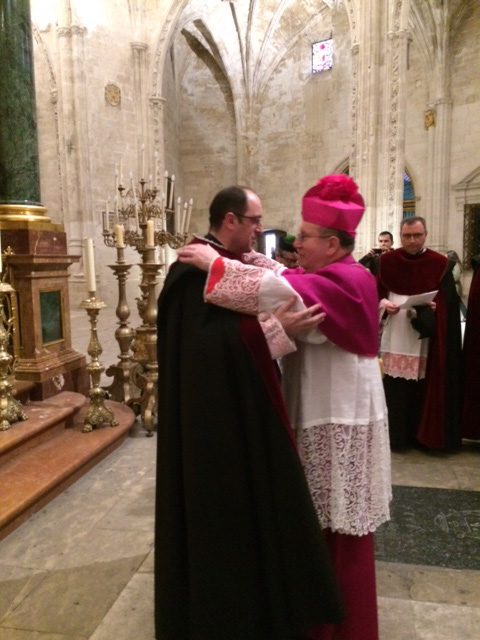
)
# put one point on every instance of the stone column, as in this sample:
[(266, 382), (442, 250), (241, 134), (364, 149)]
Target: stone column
[(394, 117), (441, 176), (19, 175), (157, 106), (139, 52), (366, 90)]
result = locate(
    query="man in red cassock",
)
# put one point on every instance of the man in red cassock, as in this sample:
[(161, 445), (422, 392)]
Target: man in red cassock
[(421, 343)]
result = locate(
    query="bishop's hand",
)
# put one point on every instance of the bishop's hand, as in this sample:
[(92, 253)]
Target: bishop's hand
[(200, 255)]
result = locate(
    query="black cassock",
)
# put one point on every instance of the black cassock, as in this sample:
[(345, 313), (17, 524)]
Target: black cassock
[(239, 554)]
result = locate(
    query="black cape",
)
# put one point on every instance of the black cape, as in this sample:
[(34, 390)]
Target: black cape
[(239, 554)]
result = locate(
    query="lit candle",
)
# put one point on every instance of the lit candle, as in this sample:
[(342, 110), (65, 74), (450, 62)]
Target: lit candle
[(155, 170), (89, 264), (119, 236), (150, 235), (189, 215), (172, 189), (143, 162), (121, 171)]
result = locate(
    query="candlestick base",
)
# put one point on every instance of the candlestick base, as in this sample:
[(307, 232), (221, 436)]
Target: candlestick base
[(97, 412), (10, 409)]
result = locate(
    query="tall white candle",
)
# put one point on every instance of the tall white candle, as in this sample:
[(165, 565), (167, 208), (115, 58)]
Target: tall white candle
[(189, 215), (137, 222), (121, 171), (178, 228), (115, 219), (184, 218), (142, 177), (150, 234), (164, 215), (119, 229), (165, 183), (172, 189), (89, 264), (106, 216), (155, 171)]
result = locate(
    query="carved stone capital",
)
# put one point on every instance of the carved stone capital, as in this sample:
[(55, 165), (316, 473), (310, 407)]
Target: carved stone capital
[(64, 32), (157, 102), (139, 46), (77, 30)]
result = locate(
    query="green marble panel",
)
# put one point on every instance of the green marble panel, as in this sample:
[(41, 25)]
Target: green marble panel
[(19, 175), (51, 316), (435, 527)]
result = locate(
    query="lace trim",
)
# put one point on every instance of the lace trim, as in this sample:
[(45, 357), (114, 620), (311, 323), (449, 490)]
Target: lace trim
[(399, 365), (348, 472), (237, 288), (259, 260), (278, 341)]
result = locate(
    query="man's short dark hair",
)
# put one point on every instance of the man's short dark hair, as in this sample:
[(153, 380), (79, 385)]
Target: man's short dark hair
[(413, 220), (233, 199), (386, 233), (347, 241)]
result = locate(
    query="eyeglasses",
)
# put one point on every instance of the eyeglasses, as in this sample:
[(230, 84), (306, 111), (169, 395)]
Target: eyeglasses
[(301, 237), (254, 220), (415, 236)]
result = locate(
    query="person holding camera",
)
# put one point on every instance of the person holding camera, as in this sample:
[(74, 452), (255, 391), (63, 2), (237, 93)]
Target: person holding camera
[(370, 260)]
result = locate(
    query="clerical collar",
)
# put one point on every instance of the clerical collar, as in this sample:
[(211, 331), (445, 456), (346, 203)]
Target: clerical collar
[(211, 239)]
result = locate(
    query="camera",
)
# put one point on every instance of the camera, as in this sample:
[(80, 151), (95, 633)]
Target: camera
[(378, 251)]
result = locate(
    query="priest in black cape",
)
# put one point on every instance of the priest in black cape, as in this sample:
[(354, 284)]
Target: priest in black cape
[(421, 348), (239, 554)]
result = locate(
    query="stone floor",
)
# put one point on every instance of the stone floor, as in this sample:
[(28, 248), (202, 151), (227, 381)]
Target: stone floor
[(82, 568)]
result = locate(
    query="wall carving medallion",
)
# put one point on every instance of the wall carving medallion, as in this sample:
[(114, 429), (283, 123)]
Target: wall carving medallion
[(113, 95)]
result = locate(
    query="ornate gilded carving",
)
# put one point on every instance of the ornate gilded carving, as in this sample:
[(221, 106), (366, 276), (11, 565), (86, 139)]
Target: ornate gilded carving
[(429, 118), (10, 409)]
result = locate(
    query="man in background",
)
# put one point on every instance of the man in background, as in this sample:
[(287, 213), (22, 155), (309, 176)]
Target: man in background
[(420, 346), (239, 553), (286, 253), (370, 259)]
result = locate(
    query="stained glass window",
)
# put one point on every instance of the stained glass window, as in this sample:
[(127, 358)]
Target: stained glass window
[(408, 196), (322, 55)]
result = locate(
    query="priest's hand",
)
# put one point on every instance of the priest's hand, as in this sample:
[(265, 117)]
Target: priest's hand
[(200, 255), (295, 323), (391, 308)]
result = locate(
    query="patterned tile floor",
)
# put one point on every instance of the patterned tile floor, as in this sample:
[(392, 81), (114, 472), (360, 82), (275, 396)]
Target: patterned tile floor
[(82, 568)]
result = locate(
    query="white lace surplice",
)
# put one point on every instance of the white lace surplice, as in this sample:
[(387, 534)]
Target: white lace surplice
[(403, 354), (337, 406)]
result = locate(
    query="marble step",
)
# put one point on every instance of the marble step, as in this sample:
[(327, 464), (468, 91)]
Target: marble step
[(32, 478), (44, 418), (21, 390)]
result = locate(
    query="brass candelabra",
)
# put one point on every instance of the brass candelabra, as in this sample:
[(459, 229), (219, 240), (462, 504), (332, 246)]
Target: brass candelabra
[(143, 219)]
